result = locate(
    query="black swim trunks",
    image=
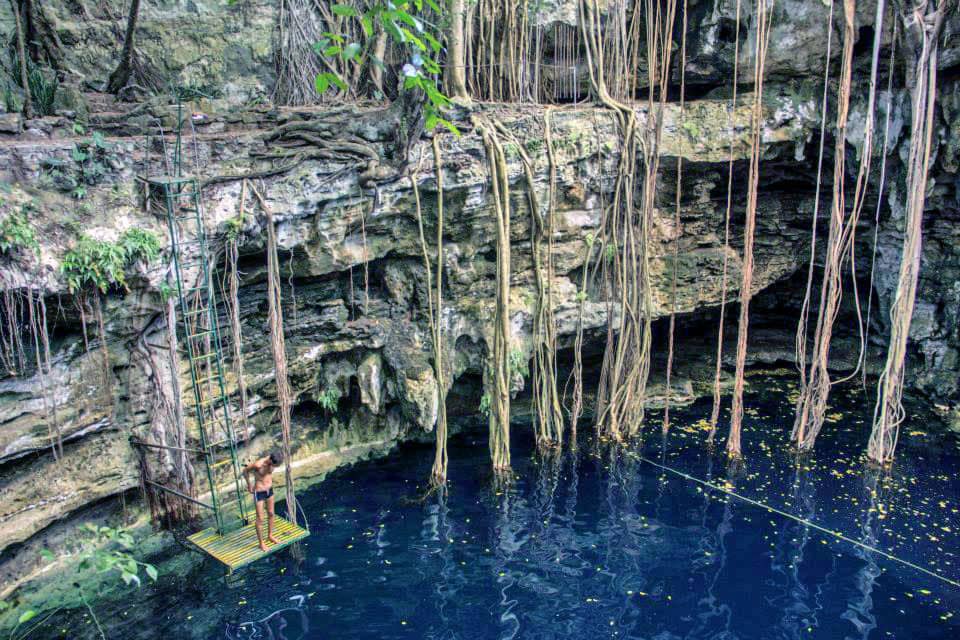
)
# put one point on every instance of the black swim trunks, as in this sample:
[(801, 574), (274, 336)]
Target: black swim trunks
[(260, 496)]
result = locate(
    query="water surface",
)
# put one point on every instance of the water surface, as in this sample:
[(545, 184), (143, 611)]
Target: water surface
[(600, 543)]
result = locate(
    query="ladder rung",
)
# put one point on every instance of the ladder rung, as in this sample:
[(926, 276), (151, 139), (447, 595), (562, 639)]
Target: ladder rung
[(202, 334), (223, 462), (215, 376), (219, 443), (205, 356), (209, 402), (195, 312)]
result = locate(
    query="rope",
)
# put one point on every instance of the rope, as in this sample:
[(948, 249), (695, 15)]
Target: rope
[(803, 521)]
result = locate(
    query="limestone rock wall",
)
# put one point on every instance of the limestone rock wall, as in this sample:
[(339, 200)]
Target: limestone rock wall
[(352, 268)]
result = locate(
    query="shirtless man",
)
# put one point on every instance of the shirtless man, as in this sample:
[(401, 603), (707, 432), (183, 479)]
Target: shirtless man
[(259, 476)]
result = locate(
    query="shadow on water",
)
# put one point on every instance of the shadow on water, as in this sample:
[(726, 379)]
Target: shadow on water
[(600, 543)]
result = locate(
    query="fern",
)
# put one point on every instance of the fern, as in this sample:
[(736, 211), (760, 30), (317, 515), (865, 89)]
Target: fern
[(17, 234)]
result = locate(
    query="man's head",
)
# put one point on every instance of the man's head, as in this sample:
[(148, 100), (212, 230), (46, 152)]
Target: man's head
[(276, 457)]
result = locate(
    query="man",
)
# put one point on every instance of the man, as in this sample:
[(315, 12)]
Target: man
[(259, 476)]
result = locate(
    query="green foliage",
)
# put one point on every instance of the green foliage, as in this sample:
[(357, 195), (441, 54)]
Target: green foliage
[(139, 245), (484, 407), (16, 234), (692, 129), (109, 550), (43, 90), (404, 23), (9, 100), (234, 227), (87, 166), (43, 87), (102, 264), (517, 362), (105, 550), (329, 398)]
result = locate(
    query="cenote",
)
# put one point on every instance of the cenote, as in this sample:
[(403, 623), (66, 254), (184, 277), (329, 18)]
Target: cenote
[(479, 319), (602, 542)]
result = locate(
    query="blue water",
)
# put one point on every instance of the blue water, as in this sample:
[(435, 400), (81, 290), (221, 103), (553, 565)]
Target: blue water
[(600, 543)]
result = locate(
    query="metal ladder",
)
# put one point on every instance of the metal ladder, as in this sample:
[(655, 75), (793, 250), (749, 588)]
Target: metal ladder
[(200, 340)]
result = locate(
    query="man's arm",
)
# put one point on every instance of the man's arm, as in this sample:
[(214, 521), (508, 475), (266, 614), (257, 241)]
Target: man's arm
[(249, 471)]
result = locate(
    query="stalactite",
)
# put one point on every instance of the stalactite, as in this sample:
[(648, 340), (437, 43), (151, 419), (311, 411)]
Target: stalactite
[(676, 227), (45, 340), (278, 347), (812, 402), (498, 375), (763, 18), (107, 385), (922, 24), (43, 376), (718, 365)]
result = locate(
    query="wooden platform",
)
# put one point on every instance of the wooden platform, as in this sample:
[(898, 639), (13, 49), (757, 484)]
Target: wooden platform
[(239, 548)]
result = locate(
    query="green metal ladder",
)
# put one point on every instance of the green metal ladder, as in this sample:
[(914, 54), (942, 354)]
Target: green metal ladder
[(201, 341)]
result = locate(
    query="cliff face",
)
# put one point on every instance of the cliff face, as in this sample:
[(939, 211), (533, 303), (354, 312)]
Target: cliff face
[(353, 293)]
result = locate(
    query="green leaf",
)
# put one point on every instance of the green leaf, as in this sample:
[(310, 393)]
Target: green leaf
[(367, 22), (47, 555), (321, 83), (26, 616), (335, 79), (345, 11), (417, 42), (151, 571), (351, 50)]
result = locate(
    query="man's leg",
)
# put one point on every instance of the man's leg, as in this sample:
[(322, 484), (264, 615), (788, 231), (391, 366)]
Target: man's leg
[(259, 524), (270, 536)]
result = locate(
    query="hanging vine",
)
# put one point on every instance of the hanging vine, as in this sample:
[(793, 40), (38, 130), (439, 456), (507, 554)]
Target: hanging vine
[(278, 347), (497, 376), (233, 308), (763, 19), (815, 387), (676, 228), (546, 396), (718, 367), (625, 238), (438, 473), (922, 24)]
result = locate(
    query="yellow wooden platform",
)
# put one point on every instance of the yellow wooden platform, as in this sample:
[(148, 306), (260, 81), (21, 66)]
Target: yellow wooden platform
[(240, 547)]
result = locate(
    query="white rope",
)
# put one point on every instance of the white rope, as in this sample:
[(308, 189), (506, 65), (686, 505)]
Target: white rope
[(803, 521)]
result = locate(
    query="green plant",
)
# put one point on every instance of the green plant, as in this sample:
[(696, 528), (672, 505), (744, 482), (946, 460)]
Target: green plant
[(517, 362), (17, 234), (105, 550), (234, 227), (138, 245), (329, 398), (43, 90), (484, 407), (108, 550), (89, 163), (403, 23), (9, 101), (102, 264)]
